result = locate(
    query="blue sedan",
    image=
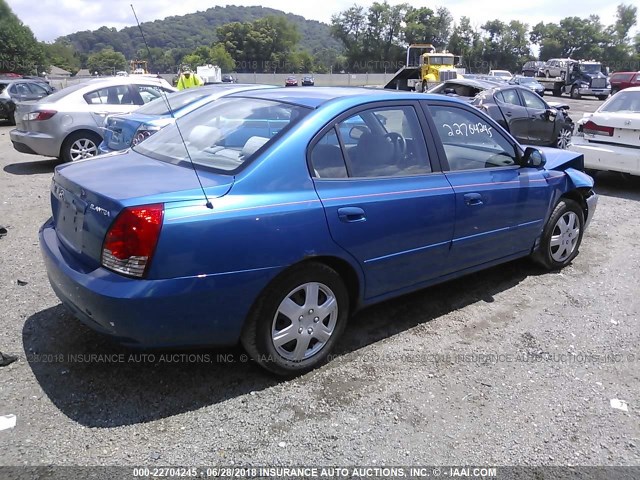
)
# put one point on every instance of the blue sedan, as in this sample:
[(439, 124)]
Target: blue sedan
[(127, 129), (270, 216)]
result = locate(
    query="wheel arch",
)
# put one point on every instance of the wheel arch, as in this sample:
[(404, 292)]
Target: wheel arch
[(353, 279), (84, 130), (579, 195)]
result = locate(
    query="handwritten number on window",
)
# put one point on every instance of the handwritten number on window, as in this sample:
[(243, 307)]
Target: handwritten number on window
[(466, 129)]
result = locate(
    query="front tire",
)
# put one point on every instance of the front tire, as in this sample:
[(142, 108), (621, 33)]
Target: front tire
[(602, 97), (575, 93), (80, 145), (561, 236), (297, 320)]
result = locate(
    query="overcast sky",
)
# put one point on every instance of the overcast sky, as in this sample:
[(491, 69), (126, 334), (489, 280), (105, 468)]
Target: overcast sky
[(50, 19)]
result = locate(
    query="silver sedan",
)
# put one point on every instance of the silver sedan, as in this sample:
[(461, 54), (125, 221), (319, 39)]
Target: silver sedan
[(68, 124)]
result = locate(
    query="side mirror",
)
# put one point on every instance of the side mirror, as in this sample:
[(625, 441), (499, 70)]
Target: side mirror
[(533, 158), (551, 114)]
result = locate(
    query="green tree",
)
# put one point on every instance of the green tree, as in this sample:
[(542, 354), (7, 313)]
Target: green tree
[(62, 55), (20, 52), (618, 52), (426, 26), (466, 42), (372, 38), (218, 55), (259, 46), (106, 62), (350, 26), (506, 46)]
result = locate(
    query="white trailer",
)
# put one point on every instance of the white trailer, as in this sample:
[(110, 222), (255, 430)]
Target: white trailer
[(209, 73)]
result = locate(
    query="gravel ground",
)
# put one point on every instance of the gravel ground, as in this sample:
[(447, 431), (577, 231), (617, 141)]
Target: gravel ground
[(511, 366)]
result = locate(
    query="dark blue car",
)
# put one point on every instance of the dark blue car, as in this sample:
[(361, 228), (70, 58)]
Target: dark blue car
[(126, 129), (307, 206)]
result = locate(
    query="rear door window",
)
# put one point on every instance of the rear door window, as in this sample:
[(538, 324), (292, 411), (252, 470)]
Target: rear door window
[(532, 100), (116, 95), (509, 96), (36, 89), (148, 93)]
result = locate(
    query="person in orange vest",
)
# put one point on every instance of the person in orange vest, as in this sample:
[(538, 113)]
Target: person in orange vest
[(188, 79)]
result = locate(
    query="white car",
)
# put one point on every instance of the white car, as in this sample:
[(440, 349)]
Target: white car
[(609, 138), (502, 74)]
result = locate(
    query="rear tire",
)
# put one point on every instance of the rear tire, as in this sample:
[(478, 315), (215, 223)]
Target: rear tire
[(297, 319), (561, 236), (12, 118), (564, 138), (80, 145)]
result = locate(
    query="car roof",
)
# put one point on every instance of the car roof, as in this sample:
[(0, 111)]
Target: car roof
[(506, 86), (8, 80), (313, 98), (474, 82)]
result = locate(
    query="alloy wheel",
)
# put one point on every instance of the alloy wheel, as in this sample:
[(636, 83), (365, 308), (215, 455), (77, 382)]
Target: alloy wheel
[(564, 138), (83, 148)]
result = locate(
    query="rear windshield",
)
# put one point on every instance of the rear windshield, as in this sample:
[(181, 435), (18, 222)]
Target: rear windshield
[(623, 101), (64, 92), (176, 101), (222, 135)]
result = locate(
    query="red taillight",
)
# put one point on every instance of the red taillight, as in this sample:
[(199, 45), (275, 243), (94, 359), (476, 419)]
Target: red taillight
[(592, 128), (132, 238), (40, 115)]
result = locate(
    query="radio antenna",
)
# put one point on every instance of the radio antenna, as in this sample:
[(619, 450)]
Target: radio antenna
[(175, 120)]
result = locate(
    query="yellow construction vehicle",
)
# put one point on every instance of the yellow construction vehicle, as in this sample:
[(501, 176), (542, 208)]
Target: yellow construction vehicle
[(138, 67), (424, 68)]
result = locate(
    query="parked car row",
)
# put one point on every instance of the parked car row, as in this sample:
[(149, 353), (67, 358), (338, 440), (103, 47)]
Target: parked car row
[(292, 81)]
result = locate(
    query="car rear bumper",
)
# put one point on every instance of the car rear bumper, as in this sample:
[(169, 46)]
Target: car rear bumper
[(207, 310), (615, 158), (35, 143), (104, 148)]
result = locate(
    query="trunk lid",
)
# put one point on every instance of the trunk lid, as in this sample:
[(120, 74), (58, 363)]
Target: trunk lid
[(23, 108), (120, 129), (626, 128), (87, 196)]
